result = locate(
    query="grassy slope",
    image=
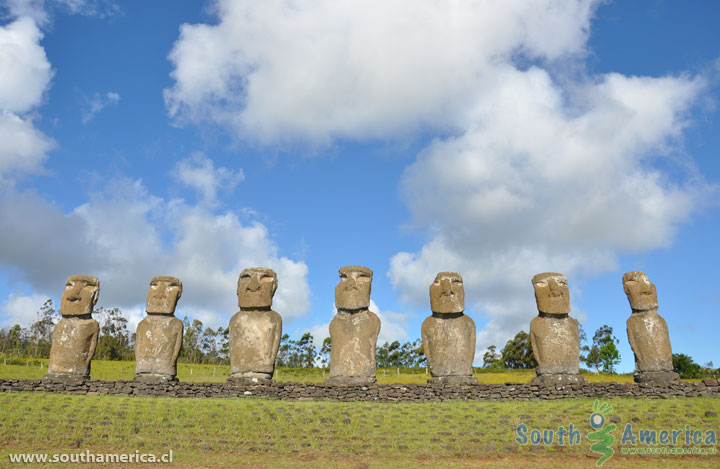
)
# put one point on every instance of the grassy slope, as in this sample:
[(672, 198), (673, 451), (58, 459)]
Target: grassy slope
[(223, 432)]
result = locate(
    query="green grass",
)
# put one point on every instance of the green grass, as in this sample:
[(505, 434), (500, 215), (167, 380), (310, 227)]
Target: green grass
[(265, 433), (187, 372)]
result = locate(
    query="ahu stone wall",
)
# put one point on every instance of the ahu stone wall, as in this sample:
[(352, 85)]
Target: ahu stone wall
[(371, 392)]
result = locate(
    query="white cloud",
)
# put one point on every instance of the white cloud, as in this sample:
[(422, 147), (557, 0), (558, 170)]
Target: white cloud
[(26, 70), (41, 11), (546, 182), (316, 70), (21, 309), (533, 168), (125, 236), (25, 77), (97, 103), (199, 173)]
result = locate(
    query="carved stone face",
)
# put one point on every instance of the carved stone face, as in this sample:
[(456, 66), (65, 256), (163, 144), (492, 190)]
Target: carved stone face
[(163, 295), (447, 294), (80, 295), (551, 293), (256, 287), (353, 291), (640, 291)]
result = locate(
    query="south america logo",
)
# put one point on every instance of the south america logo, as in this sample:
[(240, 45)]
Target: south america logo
[(602, 437)]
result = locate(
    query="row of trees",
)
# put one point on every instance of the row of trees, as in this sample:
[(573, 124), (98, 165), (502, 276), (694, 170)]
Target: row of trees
[(206, 345)]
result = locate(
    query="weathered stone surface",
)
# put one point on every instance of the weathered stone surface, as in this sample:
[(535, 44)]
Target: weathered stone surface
[(449, 335), (157, 345), (163, 295), (647, 331), (447, 293), (553, 334), (256, 288), (546, 380), (551, 293), (353, 291), (556, 345), (254, 343), (75, 336), (159, 336), (368, 392), (449, 344), (655, 376), (354, 329), (352, 353), (255, 330)]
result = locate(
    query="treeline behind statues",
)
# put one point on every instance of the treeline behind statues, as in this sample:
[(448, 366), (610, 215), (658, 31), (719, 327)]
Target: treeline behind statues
[(448, 335)]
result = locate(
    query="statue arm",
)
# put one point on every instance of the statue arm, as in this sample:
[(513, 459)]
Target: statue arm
[(426, 343), (631, 337), (277, 337), (93, 344), (178, 343)]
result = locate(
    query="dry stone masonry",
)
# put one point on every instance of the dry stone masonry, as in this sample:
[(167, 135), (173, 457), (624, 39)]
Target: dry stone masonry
[(354, 329), (553, 333), (159, 336), (448, 335), (75, 337), (372, 392), (256, 329), (647, 331)]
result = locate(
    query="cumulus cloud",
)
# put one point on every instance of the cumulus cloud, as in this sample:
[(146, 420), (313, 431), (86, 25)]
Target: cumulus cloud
[(21, 309), (25, 77), (40, 11), (125, 236), (199, 173), (97, 103), (535, 165), (544, 180), (316, 70)]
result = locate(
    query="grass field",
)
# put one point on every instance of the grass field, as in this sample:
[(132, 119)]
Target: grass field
[(264, 433), (116, 370)]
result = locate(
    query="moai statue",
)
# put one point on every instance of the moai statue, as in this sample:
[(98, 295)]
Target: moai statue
[(647, 331), (553, 333), (256, 329), (159, 335), (354, 329), (448, 335), (75, 336)]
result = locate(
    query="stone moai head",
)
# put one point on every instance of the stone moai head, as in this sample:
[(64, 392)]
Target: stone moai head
[(80, 295), (640, 291), (163, 295), (447, 294), (353, 291), (256, 287), (551, 293)]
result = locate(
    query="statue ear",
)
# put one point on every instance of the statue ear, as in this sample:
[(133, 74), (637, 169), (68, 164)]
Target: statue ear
[(96, 294)]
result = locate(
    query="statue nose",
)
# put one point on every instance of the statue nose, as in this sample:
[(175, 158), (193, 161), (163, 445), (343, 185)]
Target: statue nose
[(254, 284), (555, 289), (74, 293), (351, 283), (445, 287)]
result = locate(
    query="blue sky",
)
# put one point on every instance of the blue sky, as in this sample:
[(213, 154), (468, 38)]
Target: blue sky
[(498, 140)]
